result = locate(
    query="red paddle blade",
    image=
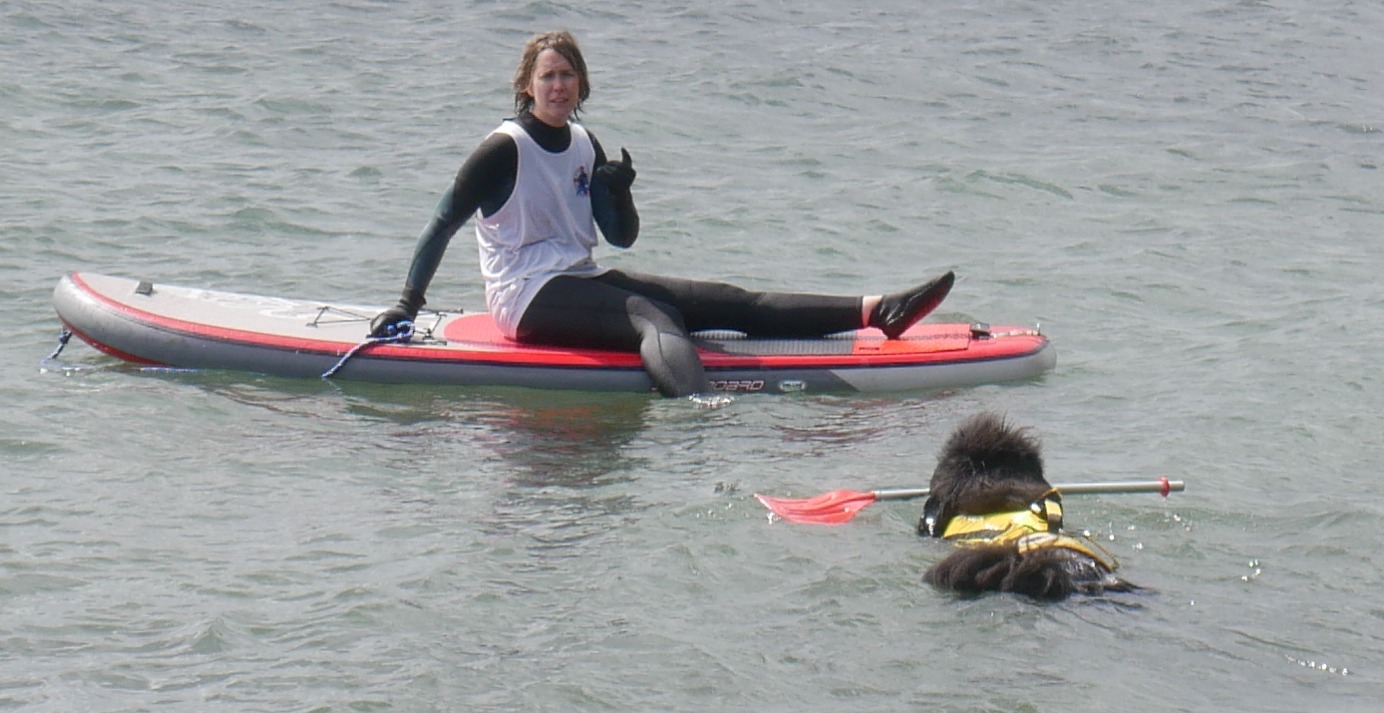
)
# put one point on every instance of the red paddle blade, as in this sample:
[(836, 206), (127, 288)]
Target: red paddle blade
[(833, 508)]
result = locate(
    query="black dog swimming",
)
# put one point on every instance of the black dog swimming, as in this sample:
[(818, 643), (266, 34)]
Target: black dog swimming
[(988, 494)]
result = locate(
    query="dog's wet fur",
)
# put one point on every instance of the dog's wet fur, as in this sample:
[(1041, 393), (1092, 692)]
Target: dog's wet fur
[(988, 466)]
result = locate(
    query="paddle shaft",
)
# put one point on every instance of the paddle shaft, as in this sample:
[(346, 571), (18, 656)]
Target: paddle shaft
[(1163, 486)]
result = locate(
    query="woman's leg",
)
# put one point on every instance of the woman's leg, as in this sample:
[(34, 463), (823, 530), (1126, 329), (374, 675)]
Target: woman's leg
[(718, 305), (652, 315), (585, 312)]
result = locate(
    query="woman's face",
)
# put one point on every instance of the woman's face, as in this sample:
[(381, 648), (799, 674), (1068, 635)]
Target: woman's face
[(555, 87)]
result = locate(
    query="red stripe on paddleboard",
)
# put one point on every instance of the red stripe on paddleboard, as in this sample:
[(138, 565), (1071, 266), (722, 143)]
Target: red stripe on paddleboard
[(108, 349), (922, 345), (225, 334)]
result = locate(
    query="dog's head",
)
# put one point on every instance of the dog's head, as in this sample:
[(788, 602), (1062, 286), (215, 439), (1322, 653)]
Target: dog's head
[(985, 466)]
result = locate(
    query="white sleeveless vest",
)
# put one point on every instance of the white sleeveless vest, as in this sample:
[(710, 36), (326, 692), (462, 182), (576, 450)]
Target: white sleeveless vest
[(545, 229)]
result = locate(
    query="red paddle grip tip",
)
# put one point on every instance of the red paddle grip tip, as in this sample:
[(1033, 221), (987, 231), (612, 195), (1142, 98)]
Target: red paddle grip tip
[(1167, 487)]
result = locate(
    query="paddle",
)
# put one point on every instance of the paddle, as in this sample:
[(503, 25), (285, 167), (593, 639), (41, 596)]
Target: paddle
[(840, 506)]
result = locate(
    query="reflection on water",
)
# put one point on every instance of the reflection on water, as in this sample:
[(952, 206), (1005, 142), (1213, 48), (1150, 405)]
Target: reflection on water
[(553, 465), (565, 464)]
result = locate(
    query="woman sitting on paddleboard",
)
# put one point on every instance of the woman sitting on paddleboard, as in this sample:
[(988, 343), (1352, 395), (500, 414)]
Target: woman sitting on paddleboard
[(542, 184)]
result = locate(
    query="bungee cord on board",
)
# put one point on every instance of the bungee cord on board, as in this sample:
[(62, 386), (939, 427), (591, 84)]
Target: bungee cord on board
[(63, 338), (398, 333)]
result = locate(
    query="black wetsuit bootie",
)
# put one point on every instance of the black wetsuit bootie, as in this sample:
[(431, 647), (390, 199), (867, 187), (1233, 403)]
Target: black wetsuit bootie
[(897, 312)]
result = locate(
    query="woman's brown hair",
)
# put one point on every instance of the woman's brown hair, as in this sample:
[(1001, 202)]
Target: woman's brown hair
[(560, 41)]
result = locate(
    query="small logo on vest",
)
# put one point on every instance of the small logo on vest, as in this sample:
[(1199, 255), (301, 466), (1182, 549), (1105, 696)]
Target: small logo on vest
[(582, 181)]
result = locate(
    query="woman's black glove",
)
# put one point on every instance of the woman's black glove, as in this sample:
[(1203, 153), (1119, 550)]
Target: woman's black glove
[(617, 176), (398, 319), (612, 205)]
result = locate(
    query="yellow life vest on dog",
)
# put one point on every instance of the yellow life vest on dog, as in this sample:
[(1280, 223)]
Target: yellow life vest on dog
[(1032, 529)]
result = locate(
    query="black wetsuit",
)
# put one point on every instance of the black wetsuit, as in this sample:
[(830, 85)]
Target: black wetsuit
[(623, 310)]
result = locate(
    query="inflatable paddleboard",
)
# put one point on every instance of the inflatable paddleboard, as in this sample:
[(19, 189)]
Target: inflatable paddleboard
[(165, 325)]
